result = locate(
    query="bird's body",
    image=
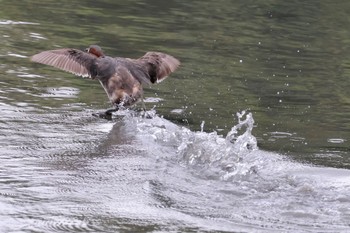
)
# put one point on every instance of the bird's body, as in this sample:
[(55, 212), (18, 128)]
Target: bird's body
[(121, 78)]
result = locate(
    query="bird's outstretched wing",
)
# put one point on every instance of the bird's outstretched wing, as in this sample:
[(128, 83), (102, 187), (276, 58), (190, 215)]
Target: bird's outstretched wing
[(158, 65), (71, 60)]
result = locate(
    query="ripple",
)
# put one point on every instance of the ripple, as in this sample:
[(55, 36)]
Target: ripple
[(24, 75), (16, 55), (62, 224), (7, 194), (281, 134), (37, 36), (11, 22), (336, 140), (61, 92), (275, 136), (65, 190), (177, 111), (153, 100)]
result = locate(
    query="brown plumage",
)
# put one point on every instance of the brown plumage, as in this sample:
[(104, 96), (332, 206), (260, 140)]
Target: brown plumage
[(122, 78)]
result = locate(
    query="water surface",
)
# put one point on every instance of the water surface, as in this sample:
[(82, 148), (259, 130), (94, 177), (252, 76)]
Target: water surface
[(283, 165)]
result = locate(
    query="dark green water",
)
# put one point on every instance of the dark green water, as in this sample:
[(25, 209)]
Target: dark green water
[(286, 62)]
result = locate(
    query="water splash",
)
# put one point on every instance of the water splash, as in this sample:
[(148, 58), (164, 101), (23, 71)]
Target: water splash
[(218, 157), (243, 142), (210, 154)]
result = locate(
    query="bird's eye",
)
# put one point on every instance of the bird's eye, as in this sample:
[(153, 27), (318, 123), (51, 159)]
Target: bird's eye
[(87, 50)]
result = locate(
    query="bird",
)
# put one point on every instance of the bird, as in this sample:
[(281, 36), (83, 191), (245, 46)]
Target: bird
[(122, 78)]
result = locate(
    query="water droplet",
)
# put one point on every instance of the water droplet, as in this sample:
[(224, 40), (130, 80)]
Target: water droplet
[(202, 126)]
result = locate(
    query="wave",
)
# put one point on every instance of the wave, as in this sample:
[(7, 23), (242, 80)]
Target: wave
[(260, 187)]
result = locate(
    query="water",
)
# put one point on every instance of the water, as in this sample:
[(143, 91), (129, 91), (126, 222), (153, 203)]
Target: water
[(137, 174), (251, 134)]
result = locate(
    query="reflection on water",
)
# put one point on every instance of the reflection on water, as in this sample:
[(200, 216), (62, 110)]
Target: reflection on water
[(286, 63)]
